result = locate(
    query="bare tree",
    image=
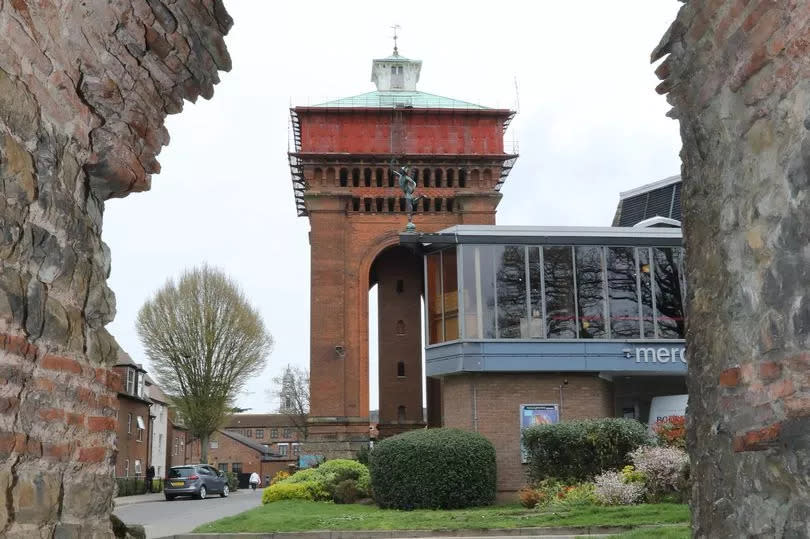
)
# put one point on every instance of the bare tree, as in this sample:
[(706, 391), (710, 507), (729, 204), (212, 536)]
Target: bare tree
[(204, 341), (292, 390)]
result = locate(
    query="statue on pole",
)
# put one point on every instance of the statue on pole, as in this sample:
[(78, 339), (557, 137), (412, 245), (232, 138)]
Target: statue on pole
[(408, 186)]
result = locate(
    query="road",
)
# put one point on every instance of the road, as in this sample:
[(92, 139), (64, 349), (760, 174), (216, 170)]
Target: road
[(182, 515)]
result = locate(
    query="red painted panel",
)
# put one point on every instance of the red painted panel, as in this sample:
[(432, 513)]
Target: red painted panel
[(409, 131)]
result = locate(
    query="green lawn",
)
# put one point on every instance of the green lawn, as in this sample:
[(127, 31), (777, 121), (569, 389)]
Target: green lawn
[(669, 532), (295, 515)]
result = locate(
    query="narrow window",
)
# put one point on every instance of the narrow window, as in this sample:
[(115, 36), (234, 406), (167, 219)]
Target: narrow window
[(391, 204), (390, 178), (401, 369), (355, 204), (367, 177), (318, 174), (344, 177), (401, 414), (462, 178), (367, 204), (379, 174), (415, 176), (400, 327), (379, 203), (438, 178), (401, 204), (451, 177), (438, 204), (450, 204), (356, 177), (426, 178), (129, 423)]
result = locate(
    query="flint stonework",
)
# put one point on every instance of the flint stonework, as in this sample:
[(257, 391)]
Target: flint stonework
[(84, 91), (737, 73)]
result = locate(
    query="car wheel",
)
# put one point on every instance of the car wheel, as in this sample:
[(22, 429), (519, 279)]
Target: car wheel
[(225, 491), (202, 493), (169, 497)]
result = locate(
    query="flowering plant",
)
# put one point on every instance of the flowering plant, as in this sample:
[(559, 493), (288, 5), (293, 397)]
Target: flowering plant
[(611, 489), (671, 431), (665, 468)]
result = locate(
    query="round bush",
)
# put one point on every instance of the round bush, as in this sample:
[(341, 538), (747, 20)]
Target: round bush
[(433, 469), (305, 490)]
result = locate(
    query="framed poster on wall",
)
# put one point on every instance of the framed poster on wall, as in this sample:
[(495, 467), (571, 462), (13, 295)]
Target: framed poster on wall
[(536, 414)]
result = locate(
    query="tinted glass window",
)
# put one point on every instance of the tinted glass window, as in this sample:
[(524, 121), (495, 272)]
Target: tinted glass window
[(469, 292), (647, 323), (434, 295), (590, 293), (623, 293), (558, 273), (668, 296), (450, 289), (535, 294), (486, 277), (510, 287), (181, 472)]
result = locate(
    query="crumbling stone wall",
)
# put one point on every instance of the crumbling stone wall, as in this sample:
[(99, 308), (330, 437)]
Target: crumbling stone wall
[(84, 90), (738, 76)]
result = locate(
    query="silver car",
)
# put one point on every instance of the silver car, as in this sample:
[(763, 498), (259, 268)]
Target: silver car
[(195, 480)]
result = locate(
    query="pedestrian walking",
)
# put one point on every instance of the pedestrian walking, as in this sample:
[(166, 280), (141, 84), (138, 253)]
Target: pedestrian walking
[(254, 480), (150, 475)]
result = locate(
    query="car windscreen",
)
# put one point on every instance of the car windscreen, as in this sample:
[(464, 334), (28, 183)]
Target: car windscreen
[(181, 472)]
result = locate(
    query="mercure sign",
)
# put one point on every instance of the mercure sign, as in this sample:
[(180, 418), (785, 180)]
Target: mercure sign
[(657, 354)]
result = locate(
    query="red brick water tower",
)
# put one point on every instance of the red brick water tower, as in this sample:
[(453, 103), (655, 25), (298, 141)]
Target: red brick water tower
[(343, 181)]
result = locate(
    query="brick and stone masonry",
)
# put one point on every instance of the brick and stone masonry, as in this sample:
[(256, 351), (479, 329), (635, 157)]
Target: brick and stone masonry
[(84, 90), (737, 73)]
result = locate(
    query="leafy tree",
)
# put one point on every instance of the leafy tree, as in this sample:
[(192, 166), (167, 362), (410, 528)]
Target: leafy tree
[(292, 390), (205, 341)]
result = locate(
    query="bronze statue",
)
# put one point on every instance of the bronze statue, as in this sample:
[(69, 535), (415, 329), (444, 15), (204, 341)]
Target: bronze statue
[(408, 186)]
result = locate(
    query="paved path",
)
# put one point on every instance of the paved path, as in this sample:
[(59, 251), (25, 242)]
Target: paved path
[(161, 518)]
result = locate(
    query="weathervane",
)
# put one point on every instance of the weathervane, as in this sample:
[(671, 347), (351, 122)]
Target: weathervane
[(395, 28)]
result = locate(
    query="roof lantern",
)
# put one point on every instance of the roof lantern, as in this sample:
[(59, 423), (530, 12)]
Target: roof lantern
[(395, 72)]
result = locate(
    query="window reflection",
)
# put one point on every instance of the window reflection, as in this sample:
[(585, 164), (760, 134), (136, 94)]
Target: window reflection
[(535, 294), (471, 299), (485, 266), (668, 300), (590, 292), (450, 293), (434, 295), (511, 289), (558, 273), (645, 268), (622, 293)]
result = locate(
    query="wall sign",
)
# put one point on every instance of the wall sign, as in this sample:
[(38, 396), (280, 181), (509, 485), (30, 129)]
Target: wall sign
[(536, 414), (656, 354)]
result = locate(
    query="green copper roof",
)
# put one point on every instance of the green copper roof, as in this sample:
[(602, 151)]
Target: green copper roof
[(417, 100)]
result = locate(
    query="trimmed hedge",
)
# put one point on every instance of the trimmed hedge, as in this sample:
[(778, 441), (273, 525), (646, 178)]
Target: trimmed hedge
[(433, 469), (578, 451)]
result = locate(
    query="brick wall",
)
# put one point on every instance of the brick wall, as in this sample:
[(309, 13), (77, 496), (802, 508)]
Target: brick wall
[(230, 451), (130, 448), (737, 75), (498, 397), (176, 446)]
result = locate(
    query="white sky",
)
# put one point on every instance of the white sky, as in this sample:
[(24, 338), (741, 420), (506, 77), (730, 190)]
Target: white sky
[(589, 126)]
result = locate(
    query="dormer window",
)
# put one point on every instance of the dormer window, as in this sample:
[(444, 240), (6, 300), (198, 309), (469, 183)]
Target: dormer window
[(135, 381)]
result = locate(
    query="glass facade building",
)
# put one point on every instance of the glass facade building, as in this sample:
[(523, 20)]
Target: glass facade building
[(554, 292), (517, 299)]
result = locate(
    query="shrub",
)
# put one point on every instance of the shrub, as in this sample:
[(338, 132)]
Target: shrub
[(671, 432), (362, 455), (529, 497), (433, 469), (346, 491), (664, 469), (631, 475), (610, 489), (281, 475), (310, 474), (576, 451), (233, 481), (327, 477), (305, 490), (575, 495)]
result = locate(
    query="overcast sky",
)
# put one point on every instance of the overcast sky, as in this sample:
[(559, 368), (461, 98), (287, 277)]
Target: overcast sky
[(589, 126)]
